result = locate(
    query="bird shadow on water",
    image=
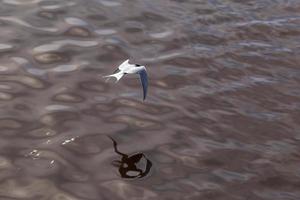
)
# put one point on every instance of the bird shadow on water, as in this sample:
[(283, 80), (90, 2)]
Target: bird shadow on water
[(131, 166)]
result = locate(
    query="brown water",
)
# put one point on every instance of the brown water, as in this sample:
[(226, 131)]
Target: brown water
[(222, 116)]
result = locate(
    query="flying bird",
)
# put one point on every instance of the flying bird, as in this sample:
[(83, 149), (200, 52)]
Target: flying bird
[(127, 68)]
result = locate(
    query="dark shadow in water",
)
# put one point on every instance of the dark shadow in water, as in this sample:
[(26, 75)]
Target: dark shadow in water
[(130, 163)]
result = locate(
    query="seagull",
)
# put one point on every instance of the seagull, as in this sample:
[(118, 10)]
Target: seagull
[(127, 68)]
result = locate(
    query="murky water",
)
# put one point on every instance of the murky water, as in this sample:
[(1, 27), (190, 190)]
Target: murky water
[(222, 116)]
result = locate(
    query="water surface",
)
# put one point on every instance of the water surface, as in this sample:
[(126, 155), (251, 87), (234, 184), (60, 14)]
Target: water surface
[(221, 120)]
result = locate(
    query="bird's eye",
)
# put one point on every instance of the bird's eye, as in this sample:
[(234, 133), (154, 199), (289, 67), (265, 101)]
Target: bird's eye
[(137, 65)]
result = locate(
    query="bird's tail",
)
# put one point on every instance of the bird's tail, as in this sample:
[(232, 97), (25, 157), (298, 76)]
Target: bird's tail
[(118, 76)]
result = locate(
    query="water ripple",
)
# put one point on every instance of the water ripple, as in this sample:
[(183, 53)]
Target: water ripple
[(105, 31), (123, 189), (75, 21), (233, 176), (161, 35), (56, 6), (57, 45), (21, 2), (5, 96), (59, 108), (26, 24), (109, 3), (4, 47), (26, 80), (65, 68)]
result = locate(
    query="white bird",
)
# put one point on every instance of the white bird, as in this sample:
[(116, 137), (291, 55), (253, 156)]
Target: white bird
[(127, 68)]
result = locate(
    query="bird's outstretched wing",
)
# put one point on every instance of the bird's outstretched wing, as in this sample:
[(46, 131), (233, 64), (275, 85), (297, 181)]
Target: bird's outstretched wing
[(124, 65), (144, 81)]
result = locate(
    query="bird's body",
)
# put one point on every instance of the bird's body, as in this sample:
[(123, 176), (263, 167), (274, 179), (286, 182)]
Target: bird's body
[(127, 68)]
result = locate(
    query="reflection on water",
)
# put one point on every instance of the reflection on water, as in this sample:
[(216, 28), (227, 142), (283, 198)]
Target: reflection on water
[(221, 120), (128, 165)]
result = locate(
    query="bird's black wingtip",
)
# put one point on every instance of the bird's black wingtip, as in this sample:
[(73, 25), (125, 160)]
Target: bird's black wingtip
[(144, 97), (144, 81)]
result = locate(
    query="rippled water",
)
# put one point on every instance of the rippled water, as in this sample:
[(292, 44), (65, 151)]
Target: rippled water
[(222, 116)]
